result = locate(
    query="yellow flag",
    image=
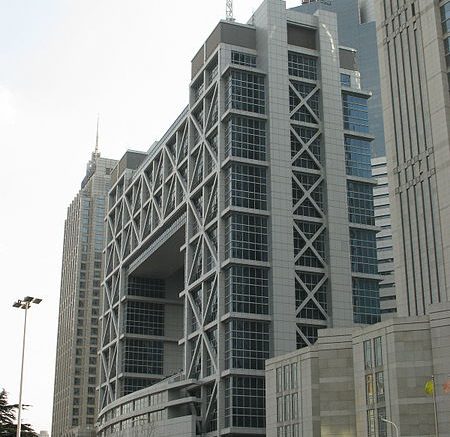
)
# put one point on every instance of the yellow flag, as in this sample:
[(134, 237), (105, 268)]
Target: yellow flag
[(429, 387)]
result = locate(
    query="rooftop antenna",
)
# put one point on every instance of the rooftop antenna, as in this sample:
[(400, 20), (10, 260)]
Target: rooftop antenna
[(96, 152), (229, 10)]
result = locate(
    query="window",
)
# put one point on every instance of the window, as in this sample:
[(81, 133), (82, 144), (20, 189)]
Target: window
[(379, 382), (309, 113), (247, 290), (371, 423), (367, 355), (370, 392), (279, 379), (287, 407), (246, 186), (302, 66), (306, 207), (246, 59), (311, 283), (146, 287), (310, 156), (382, 425), (445, 17), (131, 385), (345, 79), (310, 332), (294, 411), (360, 203), (357, 157), (311, 231), (245, 91), (280, 409), (245, 402), (145, 318), (355, 112), (294, 379), (287, 377), (246, 138), (377, 342), (363, 251), (143, 356), (366, 304), (246, 237), (246, 344)]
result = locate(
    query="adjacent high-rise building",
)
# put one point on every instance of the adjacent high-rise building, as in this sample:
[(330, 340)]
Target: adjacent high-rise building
[(75, 398), (385, 250), (357, 29), (241, 233), (414, 49)]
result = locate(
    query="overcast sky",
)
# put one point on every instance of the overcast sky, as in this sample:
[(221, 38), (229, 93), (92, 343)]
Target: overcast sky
[(61, 63)]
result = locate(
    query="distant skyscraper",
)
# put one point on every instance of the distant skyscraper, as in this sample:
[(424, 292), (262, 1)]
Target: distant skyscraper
[(75, 399), (414, 49), (385, 251)]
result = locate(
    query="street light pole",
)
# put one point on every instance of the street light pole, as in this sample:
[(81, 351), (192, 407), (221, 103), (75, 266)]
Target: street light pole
[(24, 304), (393, 424)]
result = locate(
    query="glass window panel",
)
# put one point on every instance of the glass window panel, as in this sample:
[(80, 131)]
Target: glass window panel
[(246, 237), (360, 203), (355, 111), (246, 59), (379, 380), (246, 344), (245, 92), (302, 66), (247, 290), (246, 138), (363, 251), (245, 186), (378, 351), (366, 302), (370, 393), (357, 157), (368, 363)]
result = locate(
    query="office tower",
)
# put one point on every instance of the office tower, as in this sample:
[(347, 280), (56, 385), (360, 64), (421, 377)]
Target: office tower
[(385, 251), (357, 29), (74, 401), (243, 232), (413, 42)]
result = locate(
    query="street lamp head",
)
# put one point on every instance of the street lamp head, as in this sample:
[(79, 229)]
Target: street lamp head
[(16, 304), (36, 300), (28, 298)]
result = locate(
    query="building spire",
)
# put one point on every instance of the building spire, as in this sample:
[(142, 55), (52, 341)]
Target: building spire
[(96, 153)]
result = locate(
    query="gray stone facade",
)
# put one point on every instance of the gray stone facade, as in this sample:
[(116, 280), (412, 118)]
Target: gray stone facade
[(351, 377), (412, 39)]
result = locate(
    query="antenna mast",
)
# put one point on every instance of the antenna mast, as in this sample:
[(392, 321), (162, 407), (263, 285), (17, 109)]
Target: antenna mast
[(96, 152), (229, 10)]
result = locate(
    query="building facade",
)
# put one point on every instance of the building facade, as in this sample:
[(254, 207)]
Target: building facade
[(413, 42), (357, 29), (351, 378), (385, 250), (75, 398), (246, 229)]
